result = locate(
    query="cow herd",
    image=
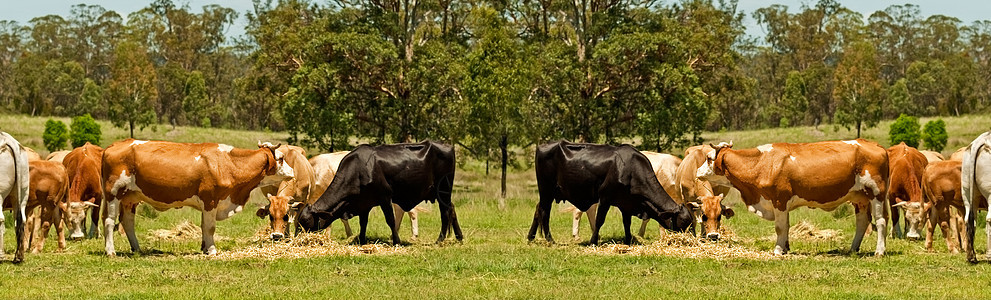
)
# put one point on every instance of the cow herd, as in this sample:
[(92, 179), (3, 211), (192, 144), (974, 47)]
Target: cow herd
[(678, 193)]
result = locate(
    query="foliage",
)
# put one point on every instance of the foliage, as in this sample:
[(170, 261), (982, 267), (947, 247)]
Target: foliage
[(934, 135), (132, 88), (858, 89), (55, 136), (84, 129), (905, 129)]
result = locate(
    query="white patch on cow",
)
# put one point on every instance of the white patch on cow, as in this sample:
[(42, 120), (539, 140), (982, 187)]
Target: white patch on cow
[(863, 182), (138, 142), (124, 182), (279, 155), (197, 158), (225, 148), (765, 148), (791, 157), (852, 142), (711, 154), (763, 209)]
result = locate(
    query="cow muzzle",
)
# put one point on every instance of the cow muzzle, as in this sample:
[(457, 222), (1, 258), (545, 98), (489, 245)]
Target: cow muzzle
[(277, 236), (712, 236), (704, 171)]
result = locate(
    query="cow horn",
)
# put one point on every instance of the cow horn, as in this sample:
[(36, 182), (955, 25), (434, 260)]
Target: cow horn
[(259, 144), (280, 144), (731, 143), (90, 204)]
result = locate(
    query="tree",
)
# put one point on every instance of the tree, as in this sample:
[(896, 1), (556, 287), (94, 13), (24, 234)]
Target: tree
[(905, 130), (196, 102), (55, 135), (132, 88), (934, 135), (794, 100), (858, 89), (84, 129)]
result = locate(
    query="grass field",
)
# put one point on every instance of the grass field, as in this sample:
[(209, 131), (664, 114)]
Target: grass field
[(495, 261)]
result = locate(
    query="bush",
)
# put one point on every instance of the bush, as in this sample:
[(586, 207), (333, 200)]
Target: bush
[(905, 129), (85, 129), (934, 135), (55, 135)]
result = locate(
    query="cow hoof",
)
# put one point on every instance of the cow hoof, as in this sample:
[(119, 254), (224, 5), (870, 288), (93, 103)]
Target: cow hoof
[(18, 260), (210, 251), (878, 253), (778, 250)]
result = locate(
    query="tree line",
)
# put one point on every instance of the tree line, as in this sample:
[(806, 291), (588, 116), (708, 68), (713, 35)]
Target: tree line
[(490, 74)]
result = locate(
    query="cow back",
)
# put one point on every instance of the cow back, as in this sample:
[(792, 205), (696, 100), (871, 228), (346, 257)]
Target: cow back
[(324, 168), (906, 166), (83, 166), (49, 182), (300, 186)]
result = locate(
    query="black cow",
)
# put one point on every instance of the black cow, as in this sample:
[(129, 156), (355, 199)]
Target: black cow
[(404, 174), (586, 174)]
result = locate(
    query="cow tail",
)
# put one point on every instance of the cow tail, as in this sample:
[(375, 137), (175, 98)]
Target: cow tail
[(968, 172)]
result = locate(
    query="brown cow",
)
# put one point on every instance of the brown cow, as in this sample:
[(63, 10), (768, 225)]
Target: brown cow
[(83, 165), (49, 185), (215, 179), (905, 168), (709, 193), (777, 178), (941, 187), (287, 194), (58, 156), (32, 155)]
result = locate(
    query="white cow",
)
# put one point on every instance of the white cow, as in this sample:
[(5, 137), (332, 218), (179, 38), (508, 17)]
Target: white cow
[(14, 185), (975, 180)]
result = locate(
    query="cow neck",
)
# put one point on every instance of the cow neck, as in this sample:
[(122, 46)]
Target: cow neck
[(252, 165), (737, 165)]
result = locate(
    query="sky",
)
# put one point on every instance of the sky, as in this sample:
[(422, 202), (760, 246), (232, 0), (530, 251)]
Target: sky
[(967, 11)]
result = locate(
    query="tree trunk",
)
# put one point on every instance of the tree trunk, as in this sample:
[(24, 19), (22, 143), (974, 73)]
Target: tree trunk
[(131, 125), (503, 144), (487, 161), (858, 129)]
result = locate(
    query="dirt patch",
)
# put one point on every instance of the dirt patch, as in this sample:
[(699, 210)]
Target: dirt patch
[(688, 246), (302, 246)]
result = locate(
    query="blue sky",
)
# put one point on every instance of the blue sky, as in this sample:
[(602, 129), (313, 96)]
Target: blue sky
[(966, 10)]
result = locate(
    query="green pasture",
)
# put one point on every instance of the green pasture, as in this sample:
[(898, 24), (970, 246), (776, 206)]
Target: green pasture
[(495, 260)]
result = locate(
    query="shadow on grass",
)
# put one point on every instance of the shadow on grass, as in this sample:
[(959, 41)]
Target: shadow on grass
[(845, 252), (146, 253)]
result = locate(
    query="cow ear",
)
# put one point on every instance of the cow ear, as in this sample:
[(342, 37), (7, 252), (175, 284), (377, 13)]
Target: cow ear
[(262, 212), (728, 212), (267, 195), (296, 204)]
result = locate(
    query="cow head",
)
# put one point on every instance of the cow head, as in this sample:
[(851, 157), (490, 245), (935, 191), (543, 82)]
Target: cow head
[(280, 170), (712, 213), (76, 217), (281, 212), (913, 217), (710, 167)]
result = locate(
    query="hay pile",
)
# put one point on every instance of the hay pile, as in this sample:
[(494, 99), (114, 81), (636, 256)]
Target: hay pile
[(182, 231), (687, 246), (805, 230), (302, 246)]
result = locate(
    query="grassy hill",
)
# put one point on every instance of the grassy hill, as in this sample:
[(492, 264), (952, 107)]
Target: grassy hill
[(495, 261)]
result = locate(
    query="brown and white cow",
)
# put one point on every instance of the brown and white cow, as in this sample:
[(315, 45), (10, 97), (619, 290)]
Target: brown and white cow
[(289, 193), (58, 156), (84, 165), (46, 202), (215, 179), (941, 188), (905, 168), (31, 154), (777, 178)]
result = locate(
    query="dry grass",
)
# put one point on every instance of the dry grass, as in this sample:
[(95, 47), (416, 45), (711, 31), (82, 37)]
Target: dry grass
[(183, 231), (303, 245), (805, 230), (688, 246)]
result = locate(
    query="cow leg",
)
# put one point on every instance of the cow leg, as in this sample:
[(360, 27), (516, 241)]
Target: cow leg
[(590, 215), (208, 225), (398, 214), (3, 229), (347, 227), (643, 227), (896, 230), (576, 221), (94, 229), (47, 214), (627, 234), (127, 220), (781, 227), (110, 211), (600, 217), (457, 225), (59, 228), (931, 222), (414, 223), (946, 225), (363, 223), (391, 218), (987, 220)]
